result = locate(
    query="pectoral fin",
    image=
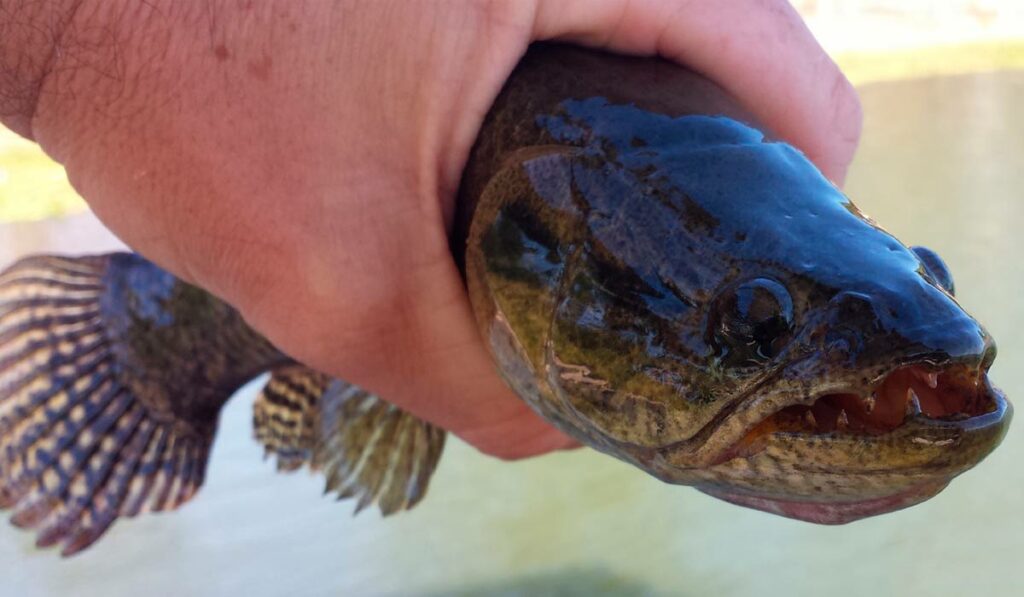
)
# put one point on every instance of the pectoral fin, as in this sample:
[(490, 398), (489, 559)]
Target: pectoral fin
[(286, 415), (374, 451), (367, 449)]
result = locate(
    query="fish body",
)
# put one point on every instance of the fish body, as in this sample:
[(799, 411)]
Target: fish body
[(652, 272)]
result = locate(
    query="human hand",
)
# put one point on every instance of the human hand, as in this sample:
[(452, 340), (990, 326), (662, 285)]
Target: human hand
[(300, 159)]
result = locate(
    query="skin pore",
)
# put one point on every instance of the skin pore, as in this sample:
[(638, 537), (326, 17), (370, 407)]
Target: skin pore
[(300, 159)]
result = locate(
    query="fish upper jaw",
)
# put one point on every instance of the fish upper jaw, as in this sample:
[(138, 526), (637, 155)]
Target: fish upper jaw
[(845, 372)]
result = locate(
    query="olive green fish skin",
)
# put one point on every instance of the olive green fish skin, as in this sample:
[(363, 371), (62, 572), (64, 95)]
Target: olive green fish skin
[(612, 235)]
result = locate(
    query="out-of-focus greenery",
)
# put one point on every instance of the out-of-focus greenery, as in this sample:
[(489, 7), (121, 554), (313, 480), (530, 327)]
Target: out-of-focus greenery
[(33, 187), (868, 67)]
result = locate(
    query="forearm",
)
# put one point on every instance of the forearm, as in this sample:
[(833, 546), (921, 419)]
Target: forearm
[(33, 36)]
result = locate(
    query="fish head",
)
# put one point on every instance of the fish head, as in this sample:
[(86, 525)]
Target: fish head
[(701, 302)]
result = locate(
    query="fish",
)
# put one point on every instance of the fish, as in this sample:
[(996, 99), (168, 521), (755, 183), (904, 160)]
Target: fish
[(652, 271)]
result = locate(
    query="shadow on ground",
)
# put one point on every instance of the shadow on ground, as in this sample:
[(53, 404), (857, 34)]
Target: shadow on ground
[(567, 582)]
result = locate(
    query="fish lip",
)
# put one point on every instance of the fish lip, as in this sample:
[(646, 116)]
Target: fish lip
[(834, 513), (729, 438), (1001, 414)]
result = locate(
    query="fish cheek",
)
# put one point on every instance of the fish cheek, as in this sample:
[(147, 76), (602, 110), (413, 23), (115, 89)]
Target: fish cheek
[(586, 340), (521, 242), (619, 363)]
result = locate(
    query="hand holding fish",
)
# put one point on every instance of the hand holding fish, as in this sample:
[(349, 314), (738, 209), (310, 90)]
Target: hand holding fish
[(300, 160)]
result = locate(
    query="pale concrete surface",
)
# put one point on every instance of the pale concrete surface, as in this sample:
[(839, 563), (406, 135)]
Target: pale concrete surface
[(73, 234)]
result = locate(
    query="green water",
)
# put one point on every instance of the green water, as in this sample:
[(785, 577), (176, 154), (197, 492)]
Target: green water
[(942, 164)]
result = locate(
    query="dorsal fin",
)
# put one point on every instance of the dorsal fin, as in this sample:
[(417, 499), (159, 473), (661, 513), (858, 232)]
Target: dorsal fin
[(366, 448), (88, 430)]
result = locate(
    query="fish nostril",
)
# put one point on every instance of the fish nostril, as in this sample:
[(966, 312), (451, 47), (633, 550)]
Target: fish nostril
[(936, 268), (852, 321), (838, 349), (838, 346), (855, 311), (916, 321), (989, 356), (842, 343)]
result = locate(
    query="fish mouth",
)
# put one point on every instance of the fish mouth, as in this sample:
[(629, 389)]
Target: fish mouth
[(954, 397), (849, 454)]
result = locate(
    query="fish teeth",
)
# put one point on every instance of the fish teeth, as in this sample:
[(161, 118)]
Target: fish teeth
[(869, 403), (809, 417), (931, 378), (913, 404), (842, 422)]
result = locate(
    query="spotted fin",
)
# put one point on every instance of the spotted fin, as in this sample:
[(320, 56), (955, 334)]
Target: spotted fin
[(78, 448), (366, 448), (286, 415), (373, 451)]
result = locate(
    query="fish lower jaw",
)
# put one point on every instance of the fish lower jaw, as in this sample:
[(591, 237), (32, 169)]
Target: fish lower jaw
[(787, 465), (836, 512)]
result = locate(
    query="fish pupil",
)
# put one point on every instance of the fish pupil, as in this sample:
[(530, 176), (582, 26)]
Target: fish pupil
[(754, 320)]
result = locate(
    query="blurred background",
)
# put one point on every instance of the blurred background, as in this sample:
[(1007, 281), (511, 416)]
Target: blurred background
[(941, 164)]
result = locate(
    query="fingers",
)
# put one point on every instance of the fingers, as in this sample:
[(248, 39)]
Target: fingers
[(759, 50), (284, 157)]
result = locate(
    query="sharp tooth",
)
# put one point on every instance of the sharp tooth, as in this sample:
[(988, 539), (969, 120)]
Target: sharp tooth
[(809, 417), (842, 422), (931, 378), (869, 403), (913, 404)]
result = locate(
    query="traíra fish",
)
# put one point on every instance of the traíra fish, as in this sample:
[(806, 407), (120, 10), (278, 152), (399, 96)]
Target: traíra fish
[(653, 273)]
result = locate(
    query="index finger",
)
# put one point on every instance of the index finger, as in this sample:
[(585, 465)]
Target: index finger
[(759, 50)]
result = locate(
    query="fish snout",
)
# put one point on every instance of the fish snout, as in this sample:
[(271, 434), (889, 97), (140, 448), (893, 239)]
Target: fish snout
[(919, 323)]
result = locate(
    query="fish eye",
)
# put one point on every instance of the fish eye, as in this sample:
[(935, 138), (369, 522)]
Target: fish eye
[(751, 322), (936, 268)]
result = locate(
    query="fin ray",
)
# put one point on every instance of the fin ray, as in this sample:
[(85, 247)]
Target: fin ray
[(16, 482), (391, 465), (141, 484), (88, 481), (284, 415), (60, 398), (365, 448), (78, 447), (114, 490)]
